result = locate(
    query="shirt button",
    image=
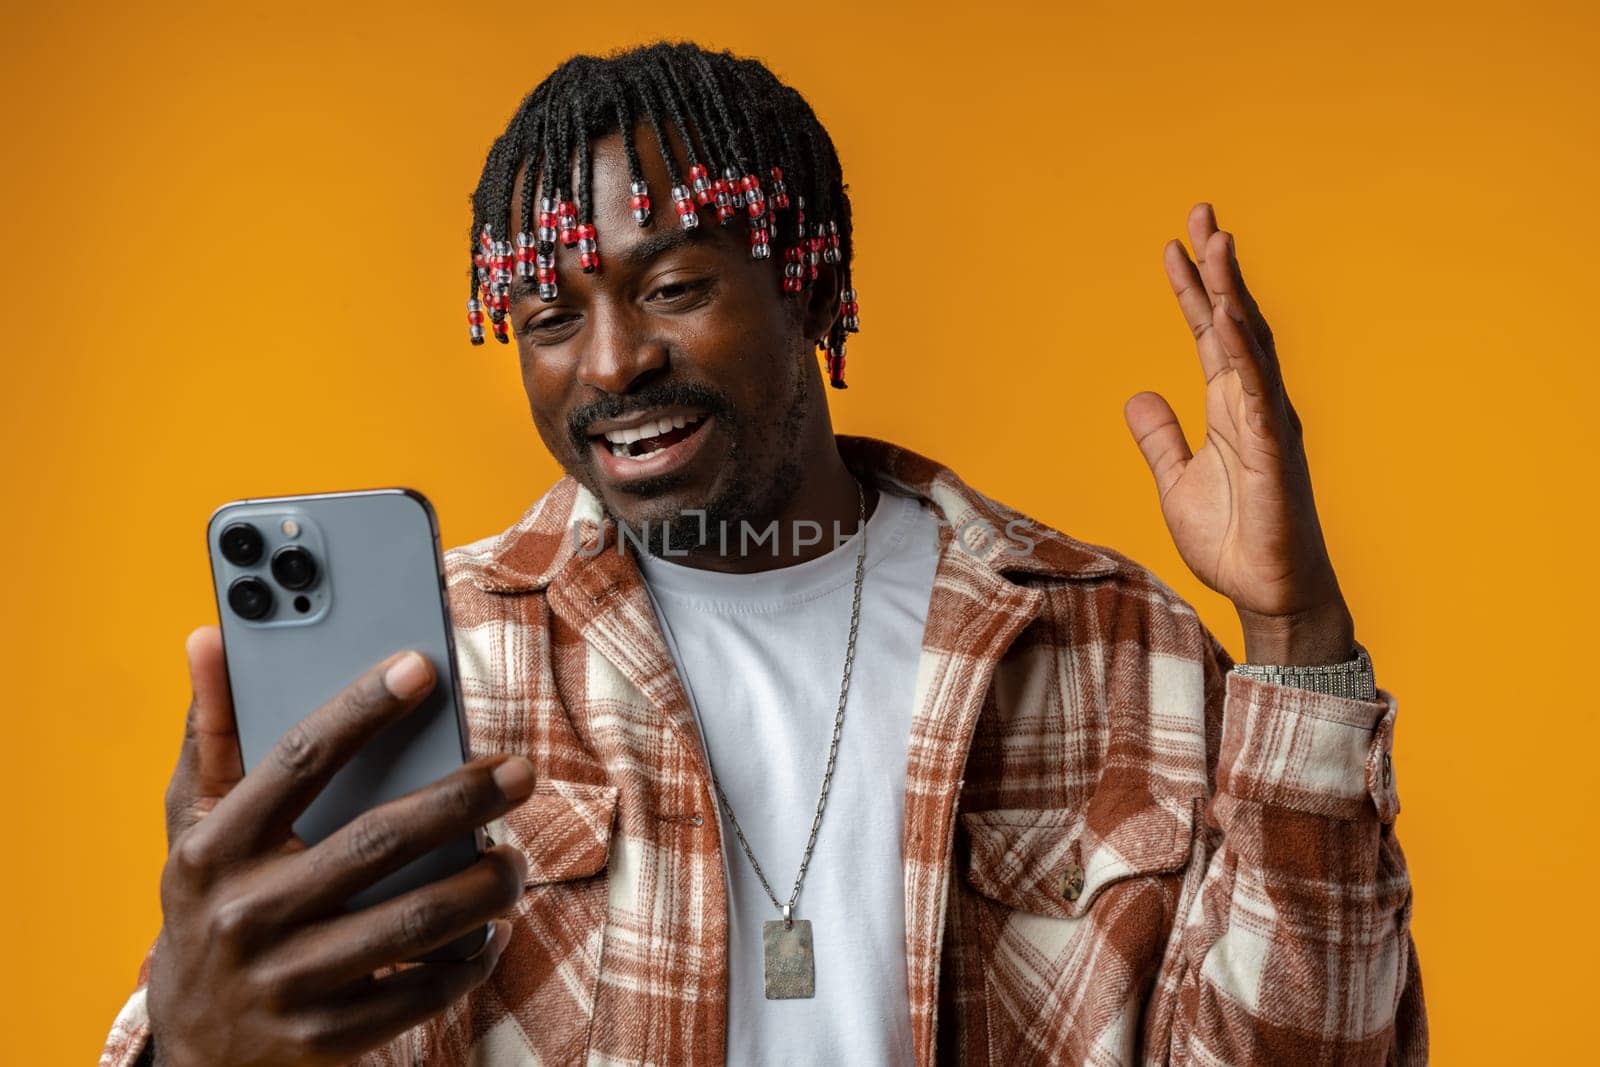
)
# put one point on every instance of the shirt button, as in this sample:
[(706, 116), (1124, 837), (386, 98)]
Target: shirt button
[(1072, 882)]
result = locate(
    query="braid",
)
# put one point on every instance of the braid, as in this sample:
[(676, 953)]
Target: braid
[(652, 113), (727, 112), (713, 89), (760, 132), (692, 93), (657, 72), (624, 115), (530, 121)]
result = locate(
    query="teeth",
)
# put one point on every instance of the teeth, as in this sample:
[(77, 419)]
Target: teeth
[(649, 429)]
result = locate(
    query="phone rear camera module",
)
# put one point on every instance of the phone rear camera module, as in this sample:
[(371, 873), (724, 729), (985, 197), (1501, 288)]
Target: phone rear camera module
[(241, 544), (250, 598), (294, 567)]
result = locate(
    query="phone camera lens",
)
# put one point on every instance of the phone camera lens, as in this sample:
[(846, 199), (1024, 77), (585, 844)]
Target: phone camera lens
[(250, 598), (241, 544), (294, 567)]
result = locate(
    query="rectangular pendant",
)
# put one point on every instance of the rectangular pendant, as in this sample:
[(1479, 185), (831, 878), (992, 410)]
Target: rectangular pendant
[(791, 966)]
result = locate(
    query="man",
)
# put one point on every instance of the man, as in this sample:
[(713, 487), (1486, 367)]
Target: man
[(1035, 811)]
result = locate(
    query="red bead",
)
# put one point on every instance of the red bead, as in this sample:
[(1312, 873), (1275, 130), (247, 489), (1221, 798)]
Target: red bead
[(585, 231), (686, 207), (639, 203), (697, 171)]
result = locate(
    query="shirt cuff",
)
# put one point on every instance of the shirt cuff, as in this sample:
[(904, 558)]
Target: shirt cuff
[(1308, 751), (130, 1033)]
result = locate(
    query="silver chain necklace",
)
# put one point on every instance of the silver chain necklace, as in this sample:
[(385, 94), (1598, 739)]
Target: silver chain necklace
[(787, 946)]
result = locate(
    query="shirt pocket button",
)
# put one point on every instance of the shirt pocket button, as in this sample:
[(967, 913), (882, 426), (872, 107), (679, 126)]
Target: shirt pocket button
[(1072, 882)]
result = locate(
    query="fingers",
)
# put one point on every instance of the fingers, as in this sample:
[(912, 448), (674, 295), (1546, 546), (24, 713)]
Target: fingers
[(1160, 438), (1218, 254), (208, 760), (319, 880), (333, 954), (1201, 224), (397, 1002), (1230, 331), (1196, 304), (259, 811), (1255, 368)]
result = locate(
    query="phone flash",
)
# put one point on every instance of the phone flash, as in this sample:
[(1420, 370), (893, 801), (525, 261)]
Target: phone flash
[(290, 528)]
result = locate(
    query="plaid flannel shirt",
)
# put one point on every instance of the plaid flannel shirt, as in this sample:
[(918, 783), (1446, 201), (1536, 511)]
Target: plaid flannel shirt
[(1115, 850)]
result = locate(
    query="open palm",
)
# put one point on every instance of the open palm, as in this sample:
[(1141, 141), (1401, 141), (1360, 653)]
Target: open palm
[(1240, 509)]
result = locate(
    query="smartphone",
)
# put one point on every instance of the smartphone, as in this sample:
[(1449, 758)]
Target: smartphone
[(312, 591)]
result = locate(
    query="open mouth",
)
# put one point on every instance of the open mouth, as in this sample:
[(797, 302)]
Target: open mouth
[(662, 443), (637, 442)]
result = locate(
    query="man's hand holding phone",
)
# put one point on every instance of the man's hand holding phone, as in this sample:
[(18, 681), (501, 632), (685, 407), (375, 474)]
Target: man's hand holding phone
[(258, 960)]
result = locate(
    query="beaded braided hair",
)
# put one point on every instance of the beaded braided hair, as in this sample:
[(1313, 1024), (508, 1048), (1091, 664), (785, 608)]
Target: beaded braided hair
[(748, 140)]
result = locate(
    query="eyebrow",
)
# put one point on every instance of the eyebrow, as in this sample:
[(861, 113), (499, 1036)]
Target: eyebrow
[(636, 257)]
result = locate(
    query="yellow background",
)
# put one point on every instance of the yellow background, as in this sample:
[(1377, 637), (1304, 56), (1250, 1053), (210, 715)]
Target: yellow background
[(233, 255)]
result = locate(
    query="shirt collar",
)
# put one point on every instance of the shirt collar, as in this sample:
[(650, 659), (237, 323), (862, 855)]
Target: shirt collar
[(546, 540)]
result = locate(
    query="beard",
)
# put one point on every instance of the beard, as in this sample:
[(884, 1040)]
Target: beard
[(759, 481)]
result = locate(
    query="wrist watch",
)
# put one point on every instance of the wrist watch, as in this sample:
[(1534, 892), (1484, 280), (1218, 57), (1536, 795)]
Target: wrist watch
[(1351, 679)]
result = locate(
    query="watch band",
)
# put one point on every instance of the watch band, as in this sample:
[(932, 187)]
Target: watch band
[(1351, 679)]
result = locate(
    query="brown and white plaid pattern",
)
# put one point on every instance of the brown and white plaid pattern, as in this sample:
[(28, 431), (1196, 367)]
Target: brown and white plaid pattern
[(1115, 850)]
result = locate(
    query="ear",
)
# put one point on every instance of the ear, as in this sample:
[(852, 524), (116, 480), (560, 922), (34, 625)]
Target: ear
[(820, 303)]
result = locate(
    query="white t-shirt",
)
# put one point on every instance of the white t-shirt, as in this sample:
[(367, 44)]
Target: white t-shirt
[(762, 656)]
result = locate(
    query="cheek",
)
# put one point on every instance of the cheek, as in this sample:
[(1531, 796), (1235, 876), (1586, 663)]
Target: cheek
[(759, 343), (546, 382)]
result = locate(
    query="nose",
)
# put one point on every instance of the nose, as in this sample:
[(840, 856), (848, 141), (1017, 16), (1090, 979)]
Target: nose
[(619, 354)]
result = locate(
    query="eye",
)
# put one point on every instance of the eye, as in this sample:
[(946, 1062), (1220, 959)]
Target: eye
[(678, 294), (548, 326)]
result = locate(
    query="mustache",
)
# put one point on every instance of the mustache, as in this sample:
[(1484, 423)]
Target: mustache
[(662, 394)]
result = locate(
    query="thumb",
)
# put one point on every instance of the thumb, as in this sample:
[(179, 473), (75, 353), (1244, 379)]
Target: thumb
[(208, 763), (1160, 438)]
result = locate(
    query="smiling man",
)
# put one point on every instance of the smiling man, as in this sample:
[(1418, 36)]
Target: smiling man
[(804, 750)]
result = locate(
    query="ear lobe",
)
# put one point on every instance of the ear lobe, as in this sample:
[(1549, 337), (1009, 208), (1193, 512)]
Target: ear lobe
[(821, 303)]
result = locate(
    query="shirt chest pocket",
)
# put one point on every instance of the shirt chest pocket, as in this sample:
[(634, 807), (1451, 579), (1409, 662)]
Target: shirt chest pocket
[(1048, 892), (564, 829), (1054, 862), (551, 967)]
